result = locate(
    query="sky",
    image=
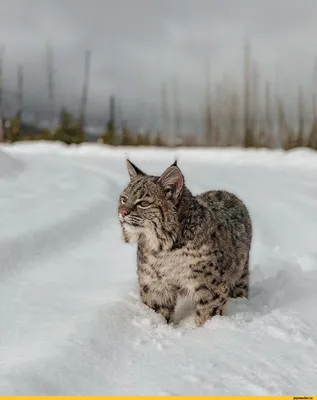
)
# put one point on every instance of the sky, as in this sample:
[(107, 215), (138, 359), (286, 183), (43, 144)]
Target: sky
[(138, 46)]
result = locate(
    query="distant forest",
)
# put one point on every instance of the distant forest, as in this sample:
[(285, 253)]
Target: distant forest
[(255, 116)]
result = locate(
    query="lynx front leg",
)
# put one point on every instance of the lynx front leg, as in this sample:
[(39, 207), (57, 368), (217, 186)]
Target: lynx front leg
[(210, 301), (161, 299), (241, 288)]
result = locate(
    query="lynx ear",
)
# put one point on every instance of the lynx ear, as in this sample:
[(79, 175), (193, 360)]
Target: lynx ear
[(173, 179), (133, 170)]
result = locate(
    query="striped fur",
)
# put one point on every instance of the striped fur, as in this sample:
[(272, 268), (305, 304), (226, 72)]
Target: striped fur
[(186, 245)]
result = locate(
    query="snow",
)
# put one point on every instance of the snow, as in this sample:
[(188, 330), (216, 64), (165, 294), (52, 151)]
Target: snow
[(71, 322)]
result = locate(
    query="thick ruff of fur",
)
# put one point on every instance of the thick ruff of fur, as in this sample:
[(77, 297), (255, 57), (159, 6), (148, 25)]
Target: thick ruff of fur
[(188, 245)]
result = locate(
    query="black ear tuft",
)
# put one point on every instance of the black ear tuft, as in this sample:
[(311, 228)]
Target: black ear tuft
[(174, 163), (133, 170)]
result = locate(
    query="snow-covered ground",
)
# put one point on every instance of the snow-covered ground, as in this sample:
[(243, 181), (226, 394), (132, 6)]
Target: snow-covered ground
[(71, 321)]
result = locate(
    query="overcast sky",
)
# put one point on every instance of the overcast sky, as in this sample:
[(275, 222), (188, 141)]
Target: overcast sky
[(139, 44)]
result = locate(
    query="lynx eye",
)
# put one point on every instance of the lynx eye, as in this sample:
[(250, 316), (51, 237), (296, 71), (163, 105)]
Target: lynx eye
[(123, 200), (144, 204)]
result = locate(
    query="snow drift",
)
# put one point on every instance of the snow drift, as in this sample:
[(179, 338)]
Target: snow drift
[(71, 322), (8, 164)]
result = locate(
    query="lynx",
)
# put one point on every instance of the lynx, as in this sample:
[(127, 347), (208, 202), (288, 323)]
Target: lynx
[(187, 245)]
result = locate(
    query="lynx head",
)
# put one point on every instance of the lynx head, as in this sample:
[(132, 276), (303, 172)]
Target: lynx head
[(148, 206)]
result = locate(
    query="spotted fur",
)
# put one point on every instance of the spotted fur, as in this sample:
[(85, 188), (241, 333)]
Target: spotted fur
[(186, 245)]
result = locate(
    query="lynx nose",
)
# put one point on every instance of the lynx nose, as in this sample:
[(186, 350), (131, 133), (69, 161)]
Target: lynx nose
[(123, 212)]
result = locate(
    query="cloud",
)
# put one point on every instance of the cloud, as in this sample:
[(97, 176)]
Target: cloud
[(139, 45)]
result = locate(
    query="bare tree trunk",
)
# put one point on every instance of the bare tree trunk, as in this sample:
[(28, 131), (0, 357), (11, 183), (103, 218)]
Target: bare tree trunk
[(247, 128), (301, 113), (282, 128), (84, 98), (50, 80), (20, 89), (165, 113), (268, 114), (254, 99), (208, 114), (177, 113), (1, 94)]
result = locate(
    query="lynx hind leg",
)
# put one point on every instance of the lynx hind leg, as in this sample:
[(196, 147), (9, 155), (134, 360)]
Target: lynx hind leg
[(161, 300), (241, 288), (210, 301)]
